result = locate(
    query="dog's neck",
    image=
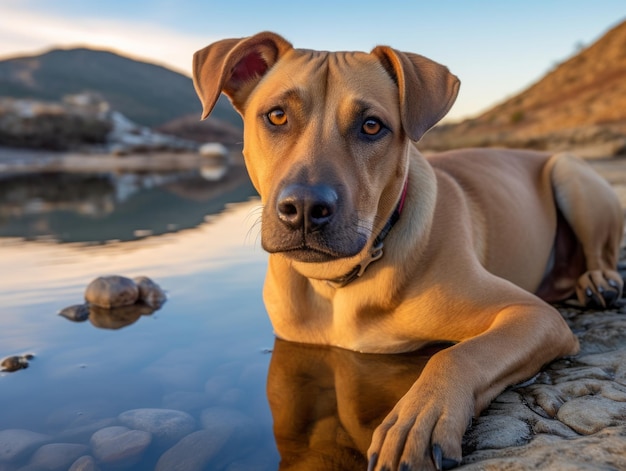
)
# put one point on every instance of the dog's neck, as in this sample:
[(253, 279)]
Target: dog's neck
[(376, 251)]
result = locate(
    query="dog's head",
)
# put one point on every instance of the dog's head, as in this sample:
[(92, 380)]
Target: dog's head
[(326, 137)]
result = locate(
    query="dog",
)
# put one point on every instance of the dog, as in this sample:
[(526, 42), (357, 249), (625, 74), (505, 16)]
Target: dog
[(376, 248)]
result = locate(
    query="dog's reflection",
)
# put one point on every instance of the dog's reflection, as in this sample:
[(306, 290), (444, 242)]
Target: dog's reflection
[(326, 402)]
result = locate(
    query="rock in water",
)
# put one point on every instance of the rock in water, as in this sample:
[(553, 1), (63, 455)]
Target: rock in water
[(112, 291), (150, 292), (57, 456), (15, 443), (166, 426), (76, 312), (119, 446)]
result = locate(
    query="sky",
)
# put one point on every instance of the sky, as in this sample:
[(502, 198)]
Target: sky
[(496, 48)]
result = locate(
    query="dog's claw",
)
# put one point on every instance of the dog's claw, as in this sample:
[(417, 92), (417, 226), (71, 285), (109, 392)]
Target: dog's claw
[(437, 457), (405, 467), (610, 297), (372, 463), (441, 463)]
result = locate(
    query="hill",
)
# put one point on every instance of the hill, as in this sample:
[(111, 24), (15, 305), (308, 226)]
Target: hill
[(581, 103), (148, 94)]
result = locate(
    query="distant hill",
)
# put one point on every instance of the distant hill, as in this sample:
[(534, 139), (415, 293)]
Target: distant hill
[(148, 94), (582, 102)]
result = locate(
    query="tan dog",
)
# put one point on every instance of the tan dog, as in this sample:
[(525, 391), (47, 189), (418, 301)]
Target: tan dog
[(468, 235)]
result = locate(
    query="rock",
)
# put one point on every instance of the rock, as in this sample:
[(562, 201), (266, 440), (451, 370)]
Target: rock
[(165, 426), (150, 292), (84, 463), (604, 450), (57, 456), (48, 125), (129, 137), (590, 414), (15, 363), (497, 432), (16, 443), (195, 451), (119, 446), (112, 291), (76, 312)]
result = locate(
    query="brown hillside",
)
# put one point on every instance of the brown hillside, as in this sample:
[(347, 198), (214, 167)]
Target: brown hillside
[(581, 103)]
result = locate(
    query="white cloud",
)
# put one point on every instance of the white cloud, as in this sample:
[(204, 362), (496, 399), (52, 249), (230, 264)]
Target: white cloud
[(25, 32)]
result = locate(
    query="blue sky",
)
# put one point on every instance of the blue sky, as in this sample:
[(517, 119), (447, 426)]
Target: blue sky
[(497, 48)]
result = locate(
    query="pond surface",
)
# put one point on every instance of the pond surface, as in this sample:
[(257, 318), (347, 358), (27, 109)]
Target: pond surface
[(187, 386)]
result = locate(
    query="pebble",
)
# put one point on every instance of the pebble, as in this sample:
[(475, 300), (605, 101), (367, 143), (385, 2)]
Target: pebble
[(57, 456), (84, 463), (112, 291), (150, 292), (165, 425), (195, 451), (119, 445), (76, 312), (16, 443), (15, 363)]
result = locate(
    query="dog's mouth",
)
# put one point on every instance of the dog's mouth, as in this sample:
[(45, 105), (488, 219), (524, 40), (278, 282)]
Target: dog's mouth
[(307, 254)]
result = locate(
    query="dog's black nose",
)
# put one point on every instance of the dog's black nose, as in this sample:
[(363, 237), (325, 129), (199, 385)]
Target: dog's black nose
[(306, 207)]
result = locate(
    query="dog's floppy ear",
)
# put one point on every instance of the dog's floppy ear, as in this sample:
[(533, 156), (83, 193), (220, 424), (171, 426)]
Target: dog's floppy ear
[(427, 89), (234, 66)]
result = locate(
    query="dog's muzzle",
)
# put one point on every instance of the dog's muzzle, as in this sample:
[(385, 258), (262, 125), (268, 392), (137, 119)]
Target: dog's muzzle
[(311, 223)]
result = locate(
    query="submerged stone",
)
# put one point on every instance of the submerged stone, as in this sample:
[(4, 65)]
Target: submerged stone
[(166, 426), (16, 443), (57, 456), (119, 446)]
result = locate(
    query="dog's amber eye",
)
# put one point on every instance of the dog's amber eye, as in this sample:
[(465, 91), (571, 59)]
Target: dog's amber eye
[(277, 117), (371, 127)]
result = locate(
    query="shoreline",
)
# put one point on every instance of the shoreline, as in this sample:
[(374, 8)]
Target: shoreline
[(16, 160)]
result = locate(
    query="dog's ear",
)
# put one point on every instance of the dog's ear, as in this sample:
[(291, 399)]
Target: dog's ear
[(235, 66), (427, 89)]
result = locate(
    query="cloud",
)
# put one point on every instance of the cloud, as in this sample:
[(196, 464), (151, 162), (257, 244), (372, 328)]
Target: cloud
[(26, 32)]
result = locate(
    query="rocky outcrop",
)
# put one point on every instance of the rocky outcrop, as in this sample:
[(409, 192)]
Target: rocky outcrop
[(81, 122), (55, 126)]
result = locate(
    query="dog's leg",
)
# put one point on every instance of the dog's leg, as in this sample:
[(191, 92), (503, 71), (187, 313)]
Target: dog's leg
[(425, 428), (593, 211)]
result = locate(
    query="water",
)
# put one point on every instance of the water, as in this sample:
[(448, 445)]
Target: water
[(206, 347), (206, 352)]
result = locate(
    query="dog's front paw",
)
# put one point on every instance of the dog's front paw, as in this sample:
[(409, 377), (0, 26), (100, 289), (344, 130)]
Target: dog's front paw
[(423, 431), (599, 289)]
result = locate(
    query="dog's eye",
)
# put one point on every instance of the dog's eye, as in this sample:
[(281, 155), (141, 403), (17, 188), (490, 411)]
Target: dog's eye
[(277, 117), (371, 127)]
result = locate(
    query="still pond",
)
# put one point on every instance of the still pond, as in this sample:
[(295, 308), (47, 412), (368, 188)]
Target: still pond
[(201, 383)]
